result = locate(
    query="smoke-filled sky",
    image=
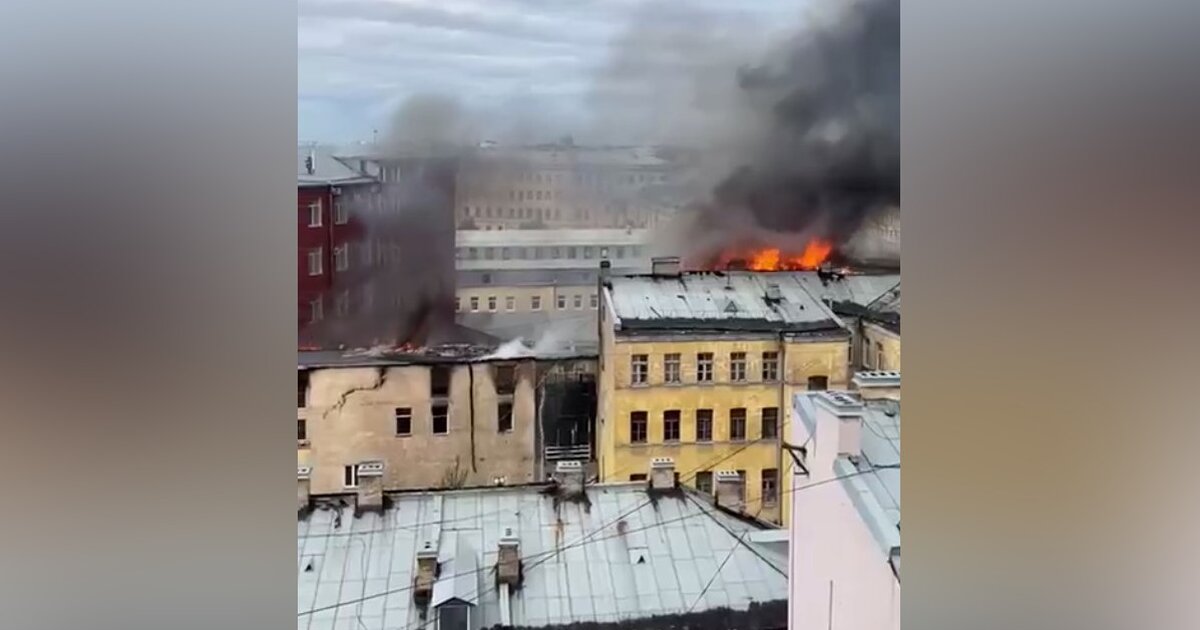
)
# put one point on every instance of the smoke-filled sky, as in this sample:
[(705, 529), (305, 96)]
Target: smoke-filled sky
[(523, 62)]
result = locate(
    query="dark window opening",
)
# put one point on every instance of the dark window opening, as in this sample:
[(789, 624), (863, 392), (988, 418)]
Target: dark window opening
[(441, 419), (505, 377), (504, 415), (770, 422), (454, 617), (637, 427), (301, 430), (439, 381), (671, 425), (704, 426), (638, 477), (403, 421), (302, 389), (704, 482), (737, 424), (770, 486), (816, 383)]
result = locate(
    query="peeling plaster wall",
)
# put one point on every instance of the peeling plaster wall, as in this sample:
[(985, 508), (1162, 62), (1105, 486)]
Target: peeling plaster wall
[(351, 418)]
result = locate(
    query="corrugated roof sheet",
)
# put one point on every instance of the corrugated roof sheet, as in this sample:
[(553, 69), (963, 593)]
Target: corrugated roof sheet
[(860, 289), (719, 300), (624, 557)]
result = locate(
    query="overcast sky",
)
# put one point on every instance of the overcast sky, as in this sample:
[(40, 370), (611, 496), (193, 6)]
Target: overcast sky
[(358, 59)]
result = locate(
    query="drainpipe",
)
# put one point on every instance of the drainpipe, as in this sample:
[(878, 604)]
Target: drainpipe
[(784, 413)]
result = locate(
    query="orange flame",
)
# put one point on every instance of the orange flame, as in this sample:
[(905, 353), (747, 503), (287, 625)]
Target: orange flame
[(815, 252)]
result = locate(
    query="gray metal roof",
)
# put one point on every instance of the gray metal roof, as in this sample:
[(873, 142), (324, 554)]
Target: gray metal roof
[(327, 169), (860, 289), (622, 557), (732, 300), (875, 490)]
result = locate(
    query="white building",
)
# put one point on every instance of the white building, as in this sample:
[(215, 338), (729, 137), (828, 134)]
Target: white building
[(844, 565), (552, 249)]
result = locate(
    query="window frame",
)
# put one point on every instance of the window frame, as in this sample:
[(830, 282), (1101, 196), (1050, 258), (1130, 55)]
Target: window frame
[(762, 427), (444, 416), (315, 209), (733, 422), (737, 367), (707, 422), (639, 369), (770, 358), (398, 414), (316, 254), (675, 417), (639, 419), (673, 366), (704, 366), (350, 476)]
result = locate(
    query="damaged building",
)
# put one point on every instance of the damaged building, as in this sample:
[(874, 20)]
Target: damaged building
[(440, 417), (558, 554)]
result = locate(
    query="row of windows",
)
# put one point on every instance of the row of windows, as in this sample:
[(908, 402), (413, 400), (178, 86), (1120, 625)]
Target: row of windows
[(376, 252), (585, 252), (591, 179), (769, 479), (639, 373), (439, 421), (576, 302), (671, 429)]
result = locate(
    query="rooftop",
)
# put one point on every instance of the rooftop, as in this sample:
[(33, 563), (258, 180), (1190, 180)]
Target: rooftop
[(721, 301), (861, 289), (618, 556), (545, 334), (327, 170)]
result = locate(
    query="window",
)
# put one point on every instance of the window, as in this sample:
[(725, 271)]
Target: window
[(403, 421), (301, 429), (671, 369), (562, 302), (316, 311), (880, 361), (737, 366), (704, 425), (535, 303), (704, 367), (770, 366), (492, 303), (315, 259), (505, 253), (737, 424), (640, 369), (577, 302), (570, 252), (505, 379), (637, 427), (510, 303), (489, 253), (770, 422), (671, 425), (504, 417), (637, 477), (770, 486), (457, 304), (340, 215), (704, 482), (301, 389), (594, 301), (341, 257), (350, 476), (441, 419), (816, 383), (587, 253), (454, 617), (475, 304), (342, 305), (314, 214), (439, 381), (620, 253)]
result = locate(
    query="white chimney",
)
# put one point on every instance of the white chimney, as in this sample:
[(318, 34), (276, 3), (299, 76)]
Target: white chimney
[(665, 266), (662, 473), (878, 384), (774, 293), (847, 411), (370, 487), (730, 494), (508, 564), (570, 476), (303, 485), (427, 572)]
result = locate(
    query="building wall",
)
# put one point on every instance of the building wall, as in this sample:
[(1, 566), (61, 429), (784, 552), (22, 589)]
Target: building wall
[(523, 298), (831, 549), (618, 398), (890, 341), (328, 237), (351, 418)]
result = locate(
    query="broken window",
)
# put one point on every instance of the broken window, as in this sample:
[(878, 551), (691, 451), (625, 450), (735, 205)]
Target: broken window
[(704, 481), (504, 416), (704, 367), (302, 389), (770, 422), (770, 486), (441, 419), (640, 366), (439, 381), (671, 425), (505, 378), (770, 366), (737, 366), (637, 427), (704, 425), (301, 429), (816, 383), (403, 421), (737, 424), (671, 371)]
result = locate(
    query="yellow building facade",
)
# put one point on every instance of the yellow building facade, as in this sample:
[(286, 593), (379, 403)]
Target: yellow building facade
[(881, 347), (709, 391)]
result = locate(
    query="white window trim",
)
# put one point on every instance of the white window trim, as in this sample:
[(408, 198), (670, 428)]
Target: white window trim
[(535, 303), (341, 257), (316, 311), (353, 470), (318, 255), (474, 301), (341, 215), (314, 211), (510, 303)]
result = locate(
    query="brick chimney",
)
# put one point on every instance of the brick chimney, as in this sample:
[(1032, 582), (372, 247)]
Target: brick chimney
[(730, 494), (303, 484), (662, 473), (508, 564), (878, 384), (427, 572), (370, 487), (847, 411), (569, 475)]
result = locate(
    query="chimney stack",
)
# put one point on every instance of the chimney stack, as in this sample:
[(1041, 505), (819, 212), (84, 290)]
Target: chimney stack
[(427, 572), (370, 487), (667, 266), (570, 476), (662, 473), (878, 384), (774, 294), (508, 564), (730, 494), (847, 411), (303, 485)]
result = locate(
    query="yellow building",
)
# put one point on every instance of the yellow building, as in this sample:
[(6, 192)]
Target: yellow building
[(701, 367)]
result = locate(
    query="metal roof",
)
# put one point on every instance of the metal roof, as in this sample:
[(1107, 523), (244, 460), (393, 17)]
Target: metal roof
[(327, 169), (732, 300), (875, 490), (621, 557), (861, 289)]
